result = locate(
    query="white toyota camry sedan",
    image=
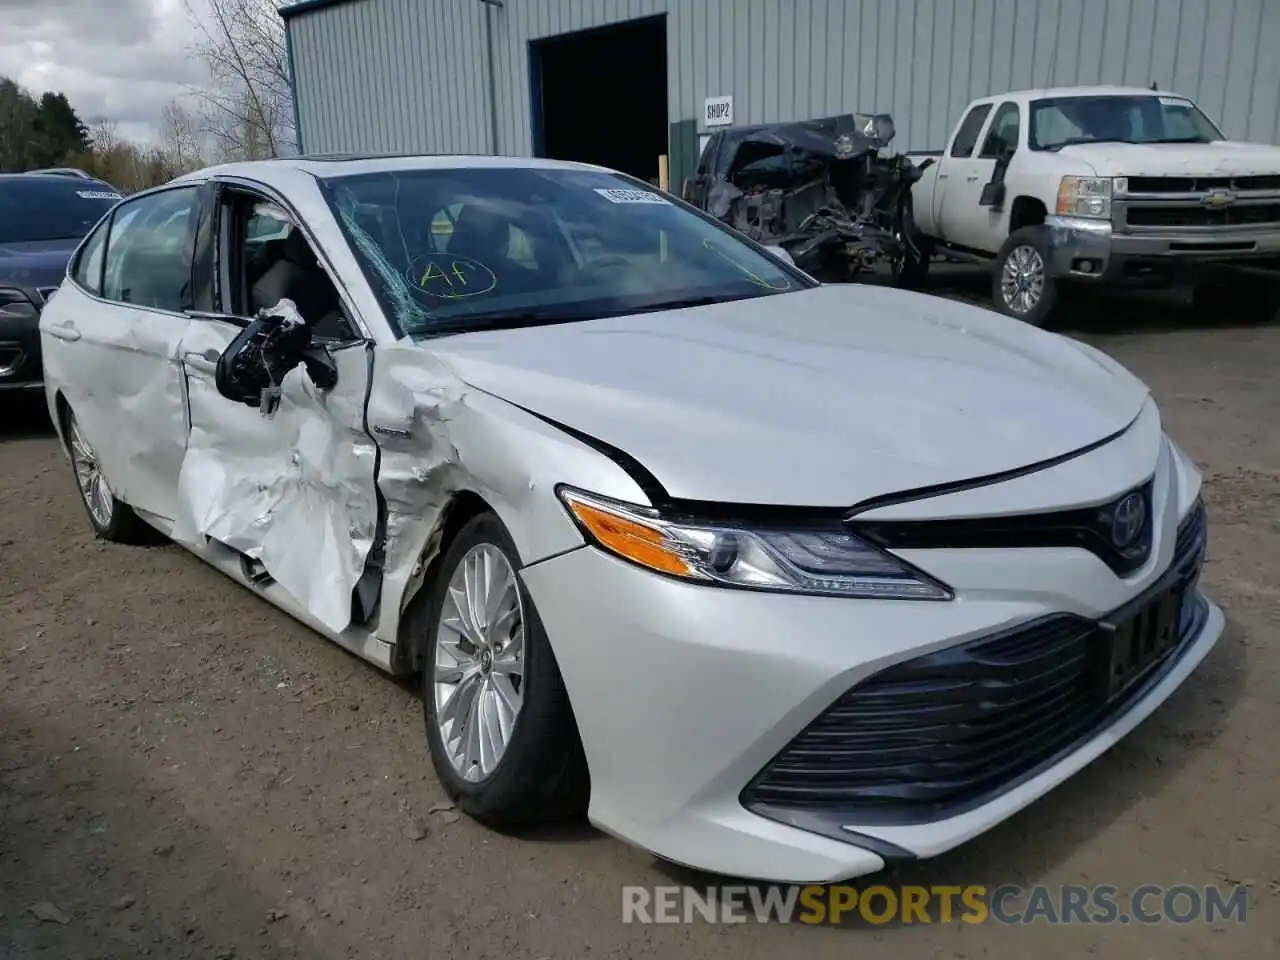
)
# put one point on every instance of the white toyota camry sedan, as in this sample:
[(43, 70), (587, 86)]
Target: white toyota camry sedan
[(771, 578)]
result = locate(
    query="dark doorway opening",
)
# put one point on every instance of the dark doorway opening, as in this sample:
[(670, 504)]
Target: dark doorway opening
[(600, 96)]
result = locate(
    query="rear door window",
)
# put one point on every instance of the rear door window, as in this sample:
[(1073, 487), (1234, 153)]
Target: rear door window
[(966, 137), (87, 271), (150, 251)]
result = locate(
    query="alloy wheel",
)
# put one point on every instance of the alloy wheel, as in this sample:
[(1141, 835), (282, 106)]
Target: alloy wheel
[(97, 496), (478, 664), (1022, 279)]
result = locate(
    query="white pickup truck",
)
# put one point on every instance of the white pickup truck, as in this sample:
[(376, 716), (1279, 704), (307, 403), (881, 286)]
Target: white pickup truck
[(1097, 185)]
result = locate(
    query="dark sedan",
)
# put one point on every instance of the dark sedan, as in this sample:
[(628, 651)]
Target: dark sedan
[(42, 220)]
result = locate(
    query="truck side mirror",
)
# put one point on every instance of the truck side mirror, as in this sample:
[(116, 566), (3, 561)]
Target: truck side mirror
[(993, 192)]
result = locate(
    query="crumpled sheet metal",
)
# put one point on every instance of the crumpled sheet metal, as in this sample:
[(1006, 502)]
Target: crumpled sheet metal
[(411, 405), (295, 491), (437, 437)]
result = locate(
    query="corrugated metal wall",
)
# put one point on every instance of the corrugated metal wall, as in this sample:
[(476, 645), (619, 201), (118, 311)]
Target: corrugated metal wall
[(411, 75)]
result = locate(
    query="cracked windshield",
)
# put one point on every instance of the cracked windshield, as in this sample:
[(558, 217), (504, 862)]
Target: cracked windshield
[(463, 249)]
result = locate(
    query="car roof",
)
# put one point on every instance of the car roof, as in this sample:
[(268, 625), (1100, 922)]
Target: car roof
[(336, 165), (40, 176), (1046, 93)]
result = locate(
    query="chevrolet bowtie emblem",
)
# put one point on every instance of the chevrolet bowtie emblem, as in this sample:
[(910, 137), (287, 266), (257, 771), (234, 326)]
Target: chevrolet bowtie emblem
[(1217, 199)]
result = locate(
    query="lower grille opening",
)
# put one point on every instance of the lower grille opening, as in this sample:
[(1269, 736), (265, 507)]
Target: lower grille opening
[(931, 737)]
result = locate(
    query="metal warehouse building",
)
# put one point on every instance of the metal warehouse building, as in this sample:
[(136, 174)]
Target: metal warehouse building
[(621, 82)]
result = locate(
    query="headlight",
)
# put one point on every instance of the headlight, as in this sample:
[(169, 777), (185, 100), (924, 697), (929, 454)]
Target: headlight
[(830, 562), (1084, 197), (15, 304)]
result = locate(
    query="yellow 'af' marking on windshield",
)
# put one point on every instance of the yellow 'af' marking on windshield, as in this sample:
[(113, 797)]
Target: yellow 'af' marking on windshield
[(751, 275), (451, 278)]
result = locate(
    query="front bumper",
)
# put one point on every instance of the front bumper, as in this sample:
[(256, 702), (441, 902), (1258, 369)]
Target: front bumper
[(1093, 251), (20, 365), (684, 694)]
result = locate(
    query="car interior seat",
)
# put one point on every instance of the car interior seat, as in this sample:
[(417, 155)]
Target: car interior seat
[(297, 276)]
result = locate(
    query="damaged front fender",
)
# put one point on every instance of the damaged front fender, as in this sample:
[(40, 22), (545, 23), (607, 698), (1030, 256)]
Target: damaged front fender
[(440, 439)]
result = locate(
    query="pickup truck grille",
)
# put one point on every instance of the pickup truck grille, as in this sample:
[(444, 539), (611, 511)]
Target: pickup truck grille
[(1202, 184), (1198, 215)]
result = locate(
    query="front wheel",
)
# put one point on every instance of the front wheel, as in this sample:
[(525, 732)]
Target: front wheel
[(1022, 286), (502, 735)]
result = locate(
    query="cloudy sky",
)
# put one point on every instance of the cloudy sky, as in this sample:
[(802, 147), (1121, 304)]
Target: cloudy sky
[(118, 59)]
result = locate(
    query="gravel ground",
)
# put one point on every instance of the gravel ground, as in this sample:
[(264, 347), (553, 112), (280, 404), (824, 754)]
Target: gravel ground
[(185, 772)]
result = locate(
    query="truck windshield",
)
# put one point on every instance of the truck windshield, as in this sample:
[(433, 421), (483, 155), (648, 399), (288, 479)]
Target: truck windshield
[(1057, 122), (476, 248)]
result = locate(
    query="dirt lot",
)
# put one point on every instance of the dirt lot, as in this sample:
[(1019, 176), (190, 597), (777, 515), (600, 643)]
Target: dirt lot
[(185, 772)]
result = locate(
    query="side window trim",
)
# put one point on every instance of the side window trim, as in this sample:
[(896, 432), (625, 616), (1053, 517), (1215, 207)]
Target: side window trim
[(983, 112), (707, 162), (101, 231), (994, 125), (360, 328), (260, 193), (110, 224)]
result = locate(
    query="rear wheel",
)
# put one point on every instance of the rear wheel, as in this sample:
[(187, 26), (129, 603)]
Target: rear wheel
[(1022, 286), (502, 735), (110, 518)]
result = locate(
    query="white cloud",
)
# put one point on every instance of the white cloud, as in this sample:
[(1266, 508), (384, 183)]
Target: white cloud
[(114, 59)]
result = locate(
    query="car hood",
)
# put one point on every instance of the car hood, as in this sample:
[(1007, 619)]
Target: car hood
[(822, 397), (1219, 159), (40, 264)]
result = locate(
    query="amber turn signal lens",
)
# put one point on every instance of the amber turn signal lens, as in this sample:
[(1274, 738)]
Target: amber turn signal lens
[(639, 543)]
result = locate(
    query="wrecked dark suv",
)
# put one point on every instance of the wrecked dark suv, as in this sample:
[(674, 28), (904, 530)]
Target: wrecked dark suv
[(818, 189)]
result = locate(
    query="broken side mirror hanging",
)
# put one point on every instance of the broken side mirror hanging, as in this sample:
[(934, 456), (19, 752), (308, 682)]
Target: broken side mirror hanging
[(254, 365)]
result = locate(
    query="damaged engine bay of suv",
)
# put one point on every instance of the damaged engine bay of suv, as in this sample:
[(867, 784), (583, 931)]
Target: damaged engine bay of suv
[(819, 189)]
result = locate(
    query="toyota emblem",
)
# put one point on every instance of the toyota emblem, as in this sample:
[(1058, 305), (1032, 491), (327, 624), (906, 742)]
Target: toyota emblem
[(1128, 519)]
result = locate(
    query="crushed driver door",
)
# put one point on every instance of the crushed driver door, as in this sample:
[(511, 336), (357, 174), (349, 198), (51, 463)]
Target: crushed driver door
[(291, 489), (290, 484)]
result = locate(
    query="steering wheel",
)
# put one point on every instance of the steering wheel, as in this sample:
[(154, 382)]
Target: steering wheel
[(609, 261)]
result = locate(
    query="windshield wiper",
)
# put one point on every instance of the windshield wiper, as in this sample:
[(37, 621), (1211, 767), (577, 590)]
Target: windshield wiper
[(1077, 141), (1180, 140), (687, 302), (505, 320)]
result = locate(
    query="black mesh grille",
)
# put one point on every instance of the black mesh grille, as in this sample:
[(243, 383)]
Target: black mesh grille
[(1237, 215), (1088, 528), (1201, 184), (929, 737)]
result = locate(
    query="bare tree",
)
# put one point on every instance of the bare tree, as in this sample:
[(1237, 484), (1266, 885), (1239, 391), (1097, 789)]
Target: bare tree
[(104, 136), (180, 139), (248, 104)]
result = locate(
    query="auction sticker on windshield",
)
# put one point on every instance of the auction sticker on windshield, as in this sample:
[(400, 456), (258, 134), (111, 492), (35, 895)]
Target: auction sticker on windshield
[(97, 195), (623, 195)]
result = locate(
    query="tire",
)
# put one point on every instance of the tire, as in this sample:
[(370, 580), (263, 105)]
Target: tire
[(912, 269), (1021, 284), (111, 518), (541, 774)]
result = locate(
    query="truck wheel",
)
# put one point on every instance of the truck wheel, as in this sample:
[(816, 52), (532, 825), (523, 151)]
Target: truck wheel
[(1021, 284)]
